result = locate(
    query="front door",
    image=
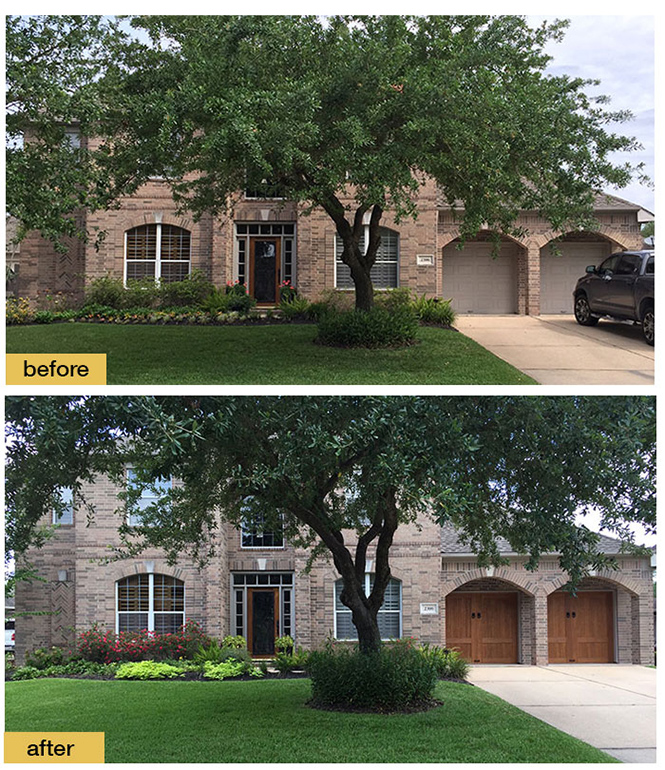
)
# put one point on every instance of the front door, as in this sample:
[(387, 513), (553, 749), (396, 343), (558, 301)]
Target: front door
[(580, 628), (265, 268), (262, 626), (483, 626)]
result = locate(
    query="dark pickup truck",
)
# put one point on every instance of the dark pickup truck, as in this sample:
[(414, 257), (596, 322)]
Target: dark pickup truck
[(622, 287)]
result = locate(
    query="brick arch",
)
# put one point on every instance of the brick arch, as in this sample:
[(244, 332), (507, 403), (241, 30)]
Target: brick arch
[(622, 240), (120, 571), (450, 236), (148, 218), (608, 576), (524, 582)]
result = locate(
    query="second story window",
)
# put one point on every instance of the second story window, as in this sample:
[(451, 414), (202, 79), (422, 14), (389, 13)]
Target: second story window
[(256, 534), (64, 512), (149, 496), (161, 252)]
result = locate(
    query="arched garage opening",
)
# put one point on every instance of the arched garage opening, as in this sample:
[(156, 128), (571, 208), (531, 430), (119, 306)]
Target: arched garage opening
[(490, 620), (479, 281), (582, 628), (559, 271)]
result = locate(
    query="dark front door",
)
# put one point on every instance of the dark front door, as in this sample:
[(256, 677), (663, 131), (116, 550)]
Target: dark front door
[(264, 256), (263, 618)]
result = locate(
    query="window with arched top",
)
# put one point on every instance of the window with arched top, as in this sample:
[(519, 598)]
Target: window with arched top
[(151, 602), (157, 251)]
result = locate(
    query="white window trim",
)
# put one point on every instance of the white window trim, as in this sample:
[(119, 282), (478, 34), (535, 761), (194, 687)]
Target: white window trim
[(158, 253), (151, 604), (246, 236), (366, 244), (282, 588), (54, 514), (128, 516), (368, 576), (260, 547)]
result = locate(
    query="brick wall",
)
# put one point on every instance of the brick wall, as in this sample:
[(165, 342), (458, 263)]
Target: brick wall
[(87, 595)]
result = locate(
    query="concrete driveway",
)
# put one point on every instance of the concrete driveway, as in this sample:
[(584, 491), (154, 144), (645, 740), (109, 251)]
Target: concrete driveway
[(611, 707), (556, 350)]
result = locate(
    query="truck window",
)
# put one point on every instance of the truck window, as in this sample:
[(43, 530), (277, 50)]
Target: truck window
[(649, 269), (629, 264)]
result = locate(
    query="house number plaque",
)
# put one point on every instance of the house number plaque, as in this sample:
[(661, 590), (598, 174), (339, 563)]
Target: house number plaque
[(429, 608)]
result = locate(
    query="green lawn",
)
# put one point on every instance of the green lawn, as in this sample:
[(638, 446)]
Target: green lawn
[(265, 355), (269, 722)]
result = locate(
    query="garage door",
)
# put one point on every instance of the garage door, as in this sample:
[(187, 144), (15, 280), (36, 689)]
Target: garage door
[(580, 628), (483, 626), (479, 283), (559, 273)]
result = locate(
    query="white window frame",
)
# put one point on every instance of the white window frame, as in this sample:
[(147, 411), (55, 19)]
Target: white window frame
[(368, 579), (151, 603), (366, 246), (244, 237), (158, 252), (68, 511), (135, 519), (243, 531)]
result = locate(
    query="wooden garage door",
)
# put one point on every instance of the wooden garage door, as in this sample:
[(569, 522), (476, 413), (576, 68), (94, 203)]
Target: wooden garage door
[(483, 626), (580, 628), (477, 282), (559, 273)]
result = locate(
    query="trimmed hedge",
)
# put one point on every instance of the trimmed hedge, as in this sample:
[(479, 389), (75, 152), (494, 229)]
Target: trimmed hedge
[(395, 678), (377, 328)]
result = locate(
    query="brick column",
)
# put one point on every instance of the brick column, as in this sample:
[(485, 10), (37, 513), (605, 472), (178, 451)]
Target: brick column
[(645, 650), (541, 657), (532, 280), (626, 630)]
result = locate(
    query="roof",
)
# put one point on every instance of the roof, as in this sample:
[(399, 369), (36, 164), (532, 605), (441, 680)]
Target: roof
[(452, 544), (603, 202)]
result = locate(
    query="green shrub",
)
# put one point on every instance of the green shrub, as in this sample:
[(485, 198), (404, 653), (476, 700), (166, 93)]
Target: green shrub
[(336, 299), (290, 661), (212, 653), (295, 309), (374, 329), (18, 311), (147, 669), (26, 672), (238, 642), (141, 294), (44, 317), (284, 643), (43, 657), (432, 310), (390, 299), (107, 291), (228, 669), (392, 679), (216, 302), (449, 663), (192, 291)]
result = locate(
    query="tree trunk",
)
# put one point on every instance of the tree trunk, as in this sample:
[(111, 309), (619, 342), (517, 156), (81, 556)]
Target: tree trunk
[(364, 288), (363, 616)]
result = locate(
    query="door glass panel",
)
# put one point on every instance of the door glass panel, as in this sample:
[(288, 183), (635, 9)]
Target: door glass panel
[(265, 263), (263, 623)]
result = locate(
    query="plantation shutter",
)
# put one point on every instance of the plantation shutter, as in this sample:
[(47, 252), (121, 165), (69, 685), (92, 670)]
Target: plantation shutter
[(384, 272)]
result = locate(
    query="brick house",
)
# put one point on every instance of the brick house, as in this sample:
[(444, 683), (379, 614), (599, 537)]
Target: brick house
[(264, 241), (256, 586)]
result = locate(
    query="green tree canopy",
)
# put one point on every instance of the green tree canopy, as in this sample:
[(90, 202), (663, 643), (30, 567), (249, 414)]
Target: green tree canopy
[(346, 113), (340, 474)]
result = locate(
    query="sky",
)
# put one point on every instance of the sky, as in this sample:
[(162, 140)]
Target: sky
[(618, 51)]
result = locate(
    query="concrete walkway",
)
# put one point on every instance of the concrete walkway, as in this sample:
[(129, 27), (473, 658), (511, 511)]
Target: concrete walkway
[(611, 707), (556, 350)]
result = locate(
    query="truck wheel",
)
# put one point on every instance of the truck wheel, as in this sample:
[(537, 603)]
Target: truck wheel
[(648, 326), (583, 312)]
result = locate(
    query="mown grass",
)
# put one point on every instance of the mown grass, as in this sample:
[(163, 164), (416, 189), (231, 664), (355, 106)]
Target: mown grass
[(265, 355), (269, 722)]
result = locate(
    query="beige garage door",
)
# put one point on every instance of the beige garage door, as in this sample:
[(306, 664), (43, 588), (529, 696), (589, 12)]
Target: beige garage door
[(479, 283), (559, 274)]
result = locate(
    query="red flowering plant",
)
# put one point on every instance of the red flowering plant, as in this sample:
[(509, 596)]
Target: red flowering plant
[(108, 647), (287, 292), (236, 288)]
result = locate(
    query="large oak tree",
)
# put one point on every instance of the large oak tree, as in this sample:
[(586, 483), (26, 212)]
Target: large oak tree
[(346, 113), (340, 474)]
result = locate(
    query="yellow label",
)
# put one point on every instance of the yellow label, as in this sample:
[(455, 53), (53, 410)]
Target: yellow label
[(54, 747), (56, 369)]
